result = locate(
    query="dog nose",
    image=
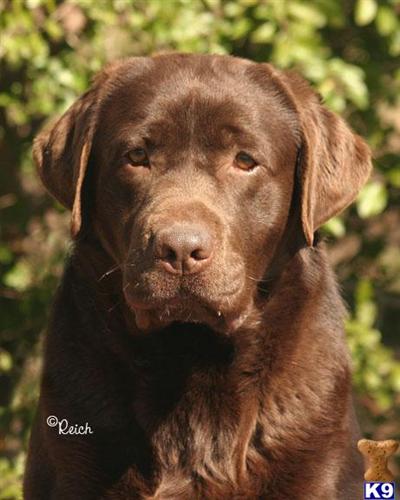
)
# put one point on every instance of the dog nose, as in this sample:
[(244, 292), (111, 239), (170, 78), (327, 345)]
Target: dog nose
[(184, 248)]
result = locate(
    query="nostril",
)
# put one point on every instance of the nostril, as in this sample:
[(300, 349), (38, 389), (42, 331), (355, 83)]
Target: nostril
[(168, 254), (199, 254)]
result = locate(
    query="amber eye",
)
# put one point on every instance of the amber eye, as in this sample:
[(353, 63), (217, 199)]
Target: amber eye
[(138, 157), (245, 161)]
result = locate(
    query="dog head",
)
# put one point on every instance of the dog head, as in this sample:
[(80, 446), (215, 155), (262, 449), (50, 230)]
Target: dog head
[(199, 168)]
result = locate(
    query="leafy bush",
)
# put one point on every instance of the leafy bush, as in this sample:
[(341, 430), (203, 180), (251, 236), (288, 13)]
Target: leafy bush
[(50, 50)]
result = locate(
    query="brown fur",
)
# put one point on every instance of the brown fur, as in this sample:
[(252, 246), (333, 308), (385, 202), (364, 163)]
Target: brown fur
[(230, 383)]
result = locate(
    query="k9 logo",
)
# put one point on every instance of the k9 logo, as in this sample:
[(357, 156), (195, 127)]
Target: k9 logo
[(379, 491)]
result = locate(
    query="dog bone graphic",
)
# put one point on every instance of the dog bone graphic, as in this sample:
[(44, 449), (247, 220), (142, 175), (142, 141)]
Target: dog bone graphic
[(377, 454)]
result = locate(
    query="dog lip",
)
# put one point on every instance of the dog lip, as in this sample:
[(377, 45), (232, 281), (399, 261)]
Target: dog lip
[(139, 305), (176, 307), (223, 321), (190, 309), (147, 305)]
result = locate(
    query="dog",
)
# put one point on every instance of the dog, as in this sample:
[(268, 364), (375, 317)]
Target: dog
[(198, 328)]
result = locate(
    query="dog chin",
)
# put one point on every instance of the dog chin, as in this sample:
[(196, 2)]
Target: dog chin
[(148, 319), (155, 313), (151, 319)]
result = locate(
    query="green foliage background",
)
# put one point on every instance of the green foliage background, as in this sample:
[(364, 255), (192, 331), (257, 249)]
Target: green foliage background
[(49, 51)]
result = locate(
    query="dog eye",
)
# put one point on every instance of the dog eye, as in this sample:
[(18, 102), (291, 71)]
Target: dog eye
[(245, 161), (138, 158)]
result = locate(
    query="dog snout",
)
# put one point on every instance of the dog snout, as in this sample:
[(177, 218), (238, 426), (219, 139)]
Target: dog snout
[(184, 248)]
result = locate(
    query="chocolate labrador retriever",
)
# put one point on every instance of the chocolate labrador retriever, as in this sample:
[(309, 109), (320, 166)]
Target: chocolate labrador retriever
[(196, 346)]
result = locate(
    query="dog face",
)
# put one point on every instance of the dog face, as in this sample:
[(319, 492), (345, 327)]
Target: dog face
[(200, 169)]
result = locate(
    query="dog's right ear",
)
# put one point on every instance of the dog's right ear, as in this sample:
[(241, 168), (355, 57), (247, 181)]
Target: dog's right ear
[(61, 151), (335, 161)]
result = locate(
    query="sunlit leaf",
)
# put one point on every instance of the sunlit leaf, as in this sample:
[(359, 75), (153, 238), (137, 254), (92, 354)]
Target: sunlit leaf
[(19, 277), (365, 11), (372, 200), (335, 227), (386, 20), (394, 176), (263, 33), (5, 361)]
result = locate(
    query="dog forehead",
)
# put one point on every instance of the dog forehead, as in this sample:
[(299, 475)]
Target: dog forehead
[(197, 96), (159, 88)]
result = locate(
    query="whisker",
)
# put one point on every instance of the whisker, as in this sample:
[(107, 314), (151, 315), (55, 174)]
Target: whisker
[(188, 317), (259, 280), (114, 306), (110, 271), (119, 302)]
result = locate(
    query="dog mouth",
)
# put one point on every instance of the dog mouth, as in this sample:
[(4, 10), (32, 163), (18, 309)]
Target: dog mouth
[(157, 300), (153, 315)]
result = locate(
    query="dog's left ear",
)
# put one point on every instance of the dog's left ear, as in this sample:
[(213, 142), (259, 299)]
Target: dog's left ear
[(334, 161), (61, 151)]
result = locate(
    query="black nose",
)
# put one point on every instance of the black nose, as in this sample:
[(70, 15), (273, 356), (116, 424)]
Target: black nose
[(184, 248)]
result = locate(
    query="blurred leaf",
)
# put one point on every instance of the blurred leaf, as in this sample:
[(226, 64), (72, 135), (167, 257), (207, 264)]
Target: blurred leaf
[(307, 13), (263, 33), (372, 200), (50, 51), (394, 176), (386, 20), (5, 361), (19, 277), (395, 377), (365, 11), (11, 478), (6, 255), (335, 227), (366, 310)]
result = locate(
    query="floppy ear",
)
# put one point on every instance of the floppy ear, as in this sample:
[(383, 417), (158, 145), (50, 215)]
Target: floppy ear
[(334, 161), (61, 151)]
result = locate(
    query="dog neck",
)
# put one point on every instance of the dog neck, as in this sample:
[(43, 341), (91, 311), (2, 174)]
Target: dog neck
[(229, 396)]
